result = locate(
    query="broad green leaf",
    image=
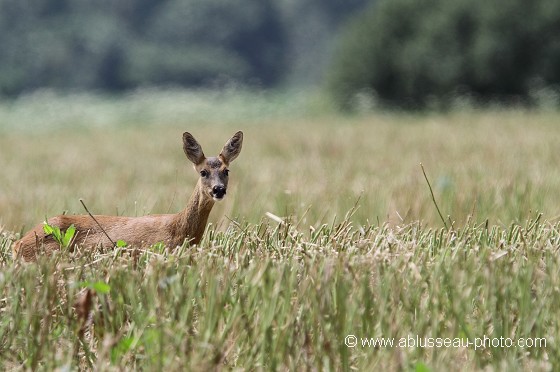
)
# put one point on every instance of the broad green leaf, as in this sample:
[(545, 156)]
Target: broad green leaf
[(48, 229), (54, 231), (101, 287), (68, 235)]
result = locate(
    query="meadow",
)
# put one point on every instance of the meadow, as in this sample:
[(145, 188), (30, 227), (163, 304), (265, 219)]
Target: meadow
[(329, 229)]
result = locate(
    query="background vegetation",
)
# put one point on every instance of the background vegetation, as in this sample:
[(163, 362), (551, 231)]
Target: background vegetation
[(405, 53), (415, 54), (113, 47)]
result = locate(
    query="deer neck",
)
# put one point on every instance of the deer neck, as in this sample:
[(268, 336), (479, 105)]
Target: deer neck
[(191, 221)]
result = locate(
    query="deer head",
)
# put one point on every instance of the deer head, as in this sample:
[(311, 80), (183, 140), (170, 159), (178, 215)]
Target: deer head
[(213, 171)]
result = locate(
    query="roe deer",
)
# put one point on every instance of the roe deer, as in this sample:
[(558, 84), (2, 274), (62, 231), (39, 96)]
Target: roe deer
[(169, 229)]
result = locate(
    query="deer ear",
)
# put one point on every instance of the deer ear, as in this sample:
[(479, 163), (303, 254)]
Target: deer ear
[(232, 148), (192, 149)]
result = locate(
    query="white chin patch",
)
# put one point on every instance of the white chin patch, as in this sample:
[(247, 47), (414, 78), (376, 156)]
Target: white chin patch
[(218, 199)]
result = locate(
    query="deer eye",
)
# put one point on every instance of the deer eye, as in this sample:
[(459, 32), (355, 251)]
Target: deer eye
[(226, 172), (204, 173)]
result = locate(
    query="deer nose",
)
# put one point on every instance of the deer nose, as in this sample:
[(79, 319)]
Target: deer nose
[(219, 191)]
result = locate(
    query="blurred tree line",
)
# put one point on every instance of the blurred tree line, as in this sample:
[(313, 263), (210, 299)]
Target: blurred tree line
[(117, 45), (412, 53), (408, 53)]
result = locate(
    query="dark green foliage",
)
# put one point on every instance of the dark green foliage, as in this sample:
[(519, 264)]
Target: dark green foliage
[(114, 46), (413, 53), (195, 42)]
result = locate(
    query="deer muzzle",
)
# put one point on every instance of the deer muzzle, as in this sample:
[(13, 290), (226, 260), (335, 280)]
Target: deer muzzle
[(218, 192)]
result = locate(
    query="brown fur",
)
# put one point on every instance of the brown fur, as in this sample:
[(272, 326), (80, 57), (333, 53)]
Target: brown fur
[(169, 229)]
